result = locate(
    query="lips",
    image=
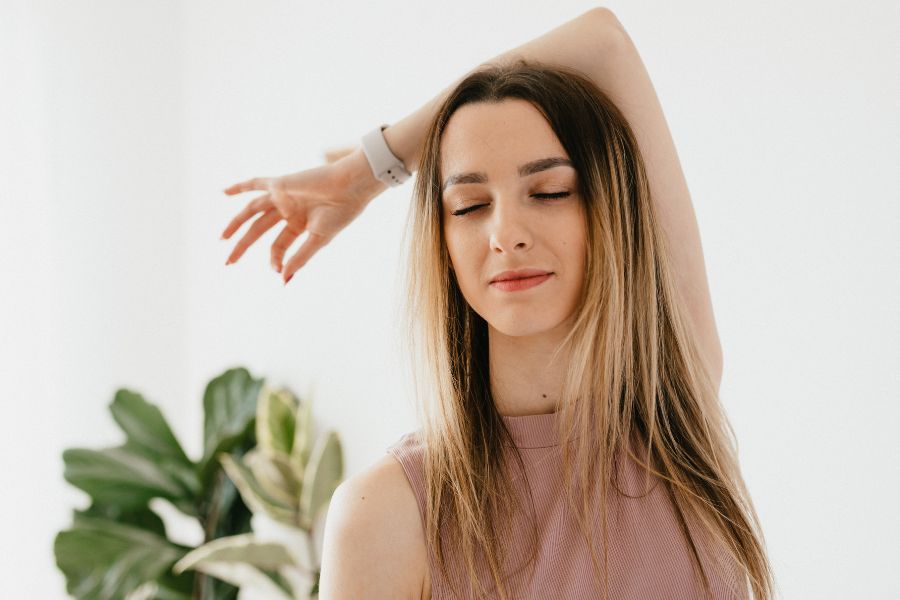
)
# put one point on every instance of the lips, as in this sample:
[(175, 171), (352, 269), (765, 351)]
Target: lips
[(522, 283), (518, 274)]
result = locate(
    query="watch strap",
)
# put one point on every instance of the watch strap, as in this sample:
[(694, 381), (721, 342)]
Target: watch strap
[(385, 165)]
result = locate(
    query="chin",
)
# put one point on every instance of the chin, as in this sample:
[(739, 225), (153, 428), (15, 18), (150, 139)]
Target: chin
[(526, 325)]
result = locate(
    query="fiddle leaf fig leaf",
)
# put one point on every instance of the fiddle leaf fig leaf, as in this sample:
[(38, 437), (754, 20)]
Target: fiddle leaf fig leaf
[(253, 494), (104, 559), (155, 590), (243, 575), (143, 517), (322, 476), (274, 476), (145, 427), (243, 560), (276, 416), (243, 548), (121, 476), (229, 405), (303, 439)]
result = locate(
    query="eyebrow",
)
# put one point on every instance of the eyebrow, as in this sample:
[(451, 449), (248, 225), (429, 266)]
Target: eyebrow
[(529, 168)]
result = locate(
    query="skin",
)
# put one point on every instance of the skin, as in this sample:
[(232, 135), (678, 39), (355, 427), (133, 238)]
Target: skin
[(513, 230)]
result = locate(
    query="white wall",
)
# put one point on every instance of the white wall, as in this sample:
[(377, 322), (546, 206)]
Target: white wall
[(93, 247), (120, 123)]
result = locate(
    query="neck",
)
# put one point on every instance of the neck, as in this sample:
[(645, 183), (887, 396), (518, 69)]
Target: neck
[(525, 378)]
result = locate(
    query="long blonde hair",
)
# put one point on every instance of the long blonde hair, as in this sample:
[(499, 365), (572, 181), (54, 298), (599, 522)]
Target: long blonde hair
[(630, 351)]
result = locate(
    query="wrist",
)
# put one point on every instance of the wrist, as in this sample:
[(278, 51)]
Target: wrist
[(359, 178)]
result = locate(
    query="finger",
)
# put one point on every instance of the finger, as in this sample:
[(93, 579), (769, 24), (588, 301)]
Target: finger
[(334, 154), (257, 183), (259, 227), (258, 204), (296, 225), (284, 241), (310, 246)]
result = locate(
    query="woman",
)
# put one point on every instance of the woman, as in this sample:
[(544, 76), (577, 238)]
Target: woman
[(573, 445)]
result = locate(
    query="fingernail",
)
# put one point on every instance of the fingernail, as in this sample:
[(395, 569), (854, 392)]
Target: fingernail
[(291, 276), (227, 262)]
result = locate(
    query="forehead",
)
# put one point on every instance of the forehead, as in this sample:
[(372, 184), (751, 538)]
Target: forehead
[(496, 137)]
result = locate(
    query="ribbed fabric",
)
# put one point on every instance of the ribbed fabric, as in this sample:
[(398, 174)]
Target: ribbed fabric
[(648, 556)]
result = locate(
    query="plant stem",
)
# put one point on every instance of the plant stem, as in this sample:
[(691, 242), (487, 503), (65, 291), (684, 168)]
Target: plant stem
[(313, 561), (209, 517)]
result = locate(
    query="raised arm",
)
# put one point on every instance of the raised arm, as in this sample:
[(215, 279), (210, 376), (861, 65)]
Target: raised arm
[(597, 44), (323, 200), (583, 42)]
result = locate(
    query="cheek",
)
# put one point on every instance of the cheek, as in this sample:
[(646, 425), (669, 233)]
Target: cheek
[(458, 243), (572, 243), (464, 261), (459, 251)]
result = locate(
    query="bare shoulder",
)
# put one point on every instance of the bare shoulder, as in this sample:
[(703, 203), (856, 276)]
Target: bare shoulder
[(374, 542)]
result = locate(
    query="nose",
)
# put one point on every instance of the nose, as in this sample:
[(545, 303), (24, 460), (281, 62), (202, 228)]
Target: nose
[(510, 226)]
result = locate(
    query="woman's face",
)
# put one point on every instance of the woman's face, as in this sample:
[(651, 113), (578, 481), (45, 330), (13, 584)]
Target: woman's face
[(489, 174)]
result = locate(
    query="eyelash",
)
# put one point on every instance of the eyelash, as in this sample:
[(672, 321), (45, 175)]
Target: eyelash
[(463, 211)]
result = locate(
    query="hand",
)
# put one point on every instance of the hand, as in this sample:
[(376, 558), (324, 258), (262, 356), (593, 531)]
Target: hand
[(321, 201)]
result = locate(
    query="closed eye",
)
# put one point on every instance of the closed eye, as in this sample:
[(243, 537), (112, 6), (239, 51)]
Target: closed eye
[(463, 211)]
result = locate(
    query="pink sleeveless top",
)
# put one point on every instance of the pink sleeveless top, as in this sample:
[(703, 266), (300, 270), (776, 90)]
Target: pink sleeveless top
[(648, 556)]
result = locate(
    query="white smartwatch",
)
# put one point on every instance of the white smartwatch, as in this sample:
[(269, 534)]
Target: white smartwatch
[(385, 166)]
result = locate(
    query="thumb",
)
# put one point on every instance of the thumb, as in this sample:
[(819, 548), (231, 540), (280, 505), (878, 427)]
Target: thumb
[(335, 154)]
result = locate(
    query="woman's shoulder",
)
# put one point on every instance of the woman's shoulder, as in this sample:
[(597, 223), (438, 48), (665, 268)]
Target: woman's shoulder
[(377, 514)]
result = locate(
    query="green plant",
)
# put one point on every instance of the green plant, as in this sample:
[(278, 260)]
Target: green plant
[(117, 547), (290, 480)]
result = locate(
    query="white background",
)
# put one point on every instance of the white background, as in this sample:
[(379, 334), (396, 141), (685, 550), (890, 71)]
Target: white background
[(122, 121)]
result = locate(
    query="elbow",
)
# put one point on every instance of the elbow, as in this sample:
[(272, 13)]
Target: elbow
[(602, 10), (610, 26), (606, 16)]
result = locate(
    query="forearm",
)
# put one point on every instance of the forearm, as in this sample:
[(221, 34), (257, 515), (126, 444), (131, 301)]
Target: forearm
[(578, 43)]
